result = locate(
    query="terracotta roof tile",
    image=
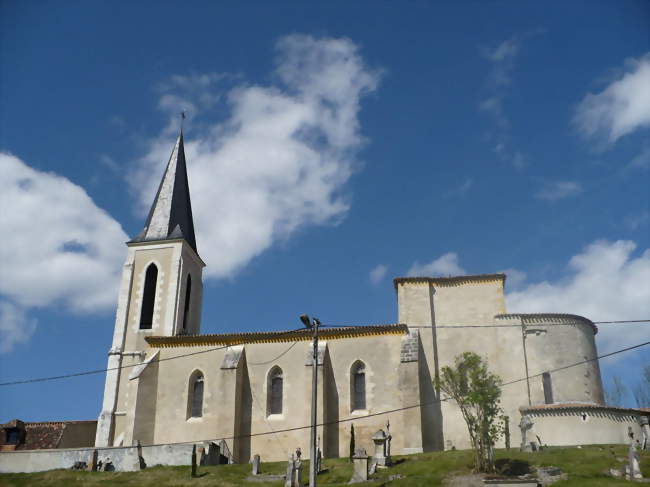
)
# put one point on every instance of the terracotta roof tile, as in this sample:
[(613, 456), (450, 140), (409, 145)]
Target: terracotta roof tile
[(275, 336), (452, 280)]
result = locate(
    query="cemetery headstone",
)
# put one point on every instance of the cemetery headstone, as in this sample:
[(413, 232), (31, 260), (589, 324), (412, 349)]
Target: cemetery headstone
[(360, 464), (256, 465)]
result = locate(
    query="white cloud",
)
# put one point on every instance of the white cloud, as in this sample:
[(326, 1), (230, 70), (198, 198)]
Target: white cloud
[(502, 60), (59, 247), (280, 160), (637, 220), (641, 160), (604, 282), (621, 108), (557, 190), (378, 273), (514, 278), (15, 327), (461, 189), (445, 265)]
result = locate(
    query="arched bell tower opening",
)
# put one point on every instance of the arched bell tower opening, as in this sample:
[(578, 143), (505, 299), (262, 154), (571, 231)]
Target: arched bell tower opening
[(148, 297)]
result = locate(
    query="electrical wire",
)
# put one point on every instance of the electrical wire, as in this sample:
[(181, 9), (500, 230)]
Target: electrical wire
[(389, 411), (189, 354)]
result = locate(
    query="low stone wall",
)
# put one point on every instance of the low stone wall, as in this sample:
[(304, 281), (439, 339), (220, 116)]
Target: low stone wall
[(568, 426), (123, 459)]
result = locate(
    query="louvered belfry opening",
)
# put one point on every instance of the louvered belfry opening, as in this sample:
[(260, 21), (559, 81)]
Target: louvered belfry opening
[(148, 297), (275, 391), (186, 308), (358, 386)]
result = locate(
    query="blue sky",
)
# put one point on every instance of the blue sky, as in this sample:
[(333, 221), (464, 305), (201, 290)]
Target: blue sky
[(331, 148)]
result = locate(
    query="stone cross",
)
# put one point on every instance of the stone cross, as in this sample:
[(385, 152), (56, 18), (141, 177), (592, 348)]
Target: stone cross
[(633, 459), (360, 462), (256, 465), (524, 425), (389, 438)]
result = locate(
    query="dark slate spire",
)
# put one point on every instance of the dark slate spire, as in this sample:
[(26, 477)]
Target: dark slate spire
[(170, 216)]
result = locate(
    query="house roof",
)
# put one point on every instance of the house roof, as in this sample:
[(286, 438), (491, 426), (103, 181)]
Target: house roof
[(170, 217), (41, 435), (305, 334)]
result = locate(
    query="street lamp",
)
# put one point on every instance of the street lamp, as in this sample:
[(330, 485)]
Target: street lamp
[(313, 325)]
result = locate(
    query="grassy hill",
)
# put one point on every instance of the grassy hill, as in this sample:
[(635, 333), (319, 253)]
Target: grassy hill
[(585, 466)]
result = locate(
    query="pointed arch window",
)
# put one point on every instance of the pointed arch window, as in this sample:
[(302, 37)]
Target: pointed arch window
[(148, 297), (274, 388), (186, 310), (196, 395), (358, 385)]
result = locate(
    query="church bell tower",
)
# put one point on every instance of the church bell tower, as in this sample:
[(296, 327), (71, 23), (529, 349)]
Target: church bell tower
[(160, 293)]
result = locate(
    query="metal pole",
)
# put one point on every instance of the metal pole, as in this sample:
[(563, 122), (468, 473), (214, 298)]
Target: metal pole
[(314, 405), (523, 338)]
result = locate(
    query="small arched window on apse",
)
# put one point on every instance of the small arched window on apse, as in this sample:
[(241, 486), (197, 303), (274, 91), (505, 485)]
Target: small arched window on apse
[(148, 297), (274, 390), (195, 395), (358, 385), (186, 308)]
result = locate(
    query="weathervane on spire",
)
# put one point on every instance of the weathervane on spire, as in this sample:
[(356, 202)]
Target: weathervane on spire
[(182, 119)]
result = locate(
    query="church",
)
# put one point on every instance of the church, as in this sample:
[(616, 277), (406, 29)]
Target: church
[(168, 383)]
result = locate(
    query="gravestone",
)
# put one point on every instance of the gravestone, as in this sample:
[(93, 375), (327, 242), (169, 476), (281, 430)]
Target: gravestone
[(297, 476), (213, 454), (360, 464), (644, 421), (318, 456), (379, 457), (525, 425), (256, 465), (200, 458), (141, 464), (288, 481), (634, 468), (92, 461)]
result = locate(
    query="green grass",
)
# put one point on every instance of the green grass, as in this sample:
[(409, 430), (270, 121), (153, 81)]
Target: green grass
[(586, 467)]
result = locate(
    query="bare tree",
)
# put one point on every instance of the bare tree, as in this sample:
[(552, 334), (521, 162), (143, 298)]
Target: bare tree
[(641, 391), (615, 394)]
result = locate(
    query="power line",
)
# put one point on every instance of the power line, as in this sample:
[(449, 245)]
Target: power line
[(99, 371), (189, 354), (389, 411), (620, 321), (491, 325)]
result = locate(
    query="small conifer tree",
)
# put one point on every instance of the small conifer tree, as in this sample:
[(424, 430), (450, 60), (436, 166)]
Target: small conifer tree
[(352, 446)]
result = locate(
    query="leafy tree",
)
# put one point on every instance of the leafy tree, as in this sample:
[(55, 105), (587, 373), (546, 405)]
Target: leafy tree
[(477, 392), (352, 445)]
